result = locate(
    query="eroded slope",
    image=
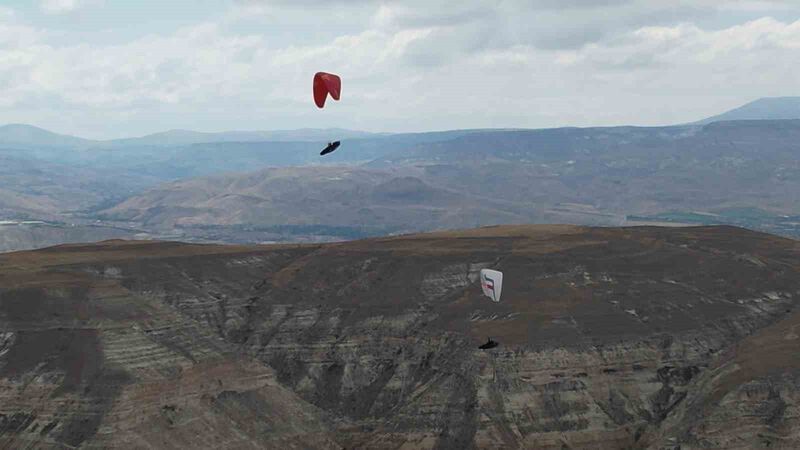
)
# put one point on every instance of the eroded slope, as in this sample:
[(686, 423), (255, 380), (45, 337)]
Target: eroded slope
[(611, 338)]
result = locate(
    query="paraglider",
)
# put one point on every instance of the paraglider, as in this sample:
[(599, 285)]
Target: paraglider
[(492, 284), (324, 84), (327, 84), (489, 344), (330, 148)]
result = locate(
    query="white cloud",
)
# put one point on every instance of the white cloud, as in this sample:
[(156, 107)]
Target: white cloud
[(404, 68), (58, 6), (6, 14), (758, 5), (66, 6)]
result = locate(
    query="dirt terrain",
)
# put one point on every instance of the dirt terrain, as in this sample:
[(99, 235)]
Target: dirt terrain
[(640, 337)]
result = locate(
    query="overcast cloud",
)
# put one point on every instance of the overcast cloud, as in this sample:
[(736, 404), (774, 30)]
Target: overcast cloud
[(105, 69)]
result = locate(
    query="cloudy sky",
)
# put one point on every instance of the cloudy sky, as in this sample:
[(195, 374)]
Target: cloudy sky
[(118, 68)]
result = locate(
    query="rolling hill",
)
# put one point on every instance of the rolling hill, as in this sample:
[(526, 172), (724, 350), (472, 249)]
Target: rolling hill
[(374, 201), (591, 176)]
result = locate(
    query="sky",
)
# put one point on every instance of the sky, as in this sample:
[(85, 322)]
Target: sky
[(107, 69)]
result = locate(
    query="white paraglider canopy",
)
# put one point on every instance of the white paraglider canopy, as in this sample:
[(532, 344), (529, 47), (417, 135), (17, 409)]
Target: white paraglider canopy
[(492, 283)]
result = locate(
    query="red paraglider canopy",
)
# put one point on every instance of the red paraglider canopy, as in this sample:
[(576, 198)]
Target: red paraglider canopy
[(324, 84)]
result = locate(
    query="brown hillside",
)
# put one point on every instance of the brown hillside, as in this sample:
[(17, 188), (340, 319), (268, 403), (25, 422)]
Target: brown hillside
[(610, 338)]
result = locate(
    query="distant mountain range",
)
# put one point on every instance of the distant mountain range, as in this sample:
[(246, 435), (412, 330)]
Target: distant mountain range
[(29, 135), (188, 137), (14, 135), (744, 172), (568, 175)]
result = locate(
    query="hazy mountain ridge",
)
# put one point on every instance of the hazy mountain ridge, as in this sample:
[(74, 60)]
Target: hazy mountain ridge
[(188, 137), (29, 135), (768, 108), (771, 108), (462, 178), (592, 175)]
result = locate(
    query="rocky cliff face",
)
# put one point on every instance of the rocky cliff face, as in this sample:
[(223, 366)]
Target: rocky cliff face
[(610, 338)]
